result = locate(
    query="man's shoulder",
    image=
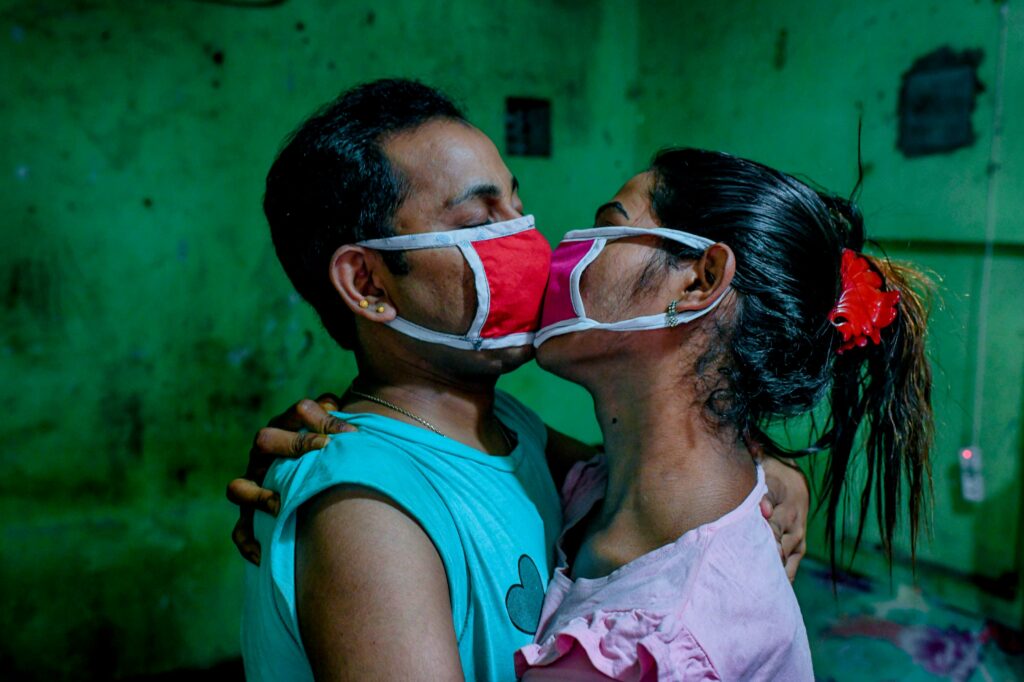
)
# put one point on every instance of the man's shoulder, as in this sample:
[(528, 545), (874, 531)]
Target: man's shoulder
[(362, 458)]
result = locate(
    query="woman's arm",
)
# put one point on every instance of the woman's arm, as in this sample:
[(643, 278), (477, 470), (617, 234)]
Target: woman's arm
[(302, 428), (371, 592)]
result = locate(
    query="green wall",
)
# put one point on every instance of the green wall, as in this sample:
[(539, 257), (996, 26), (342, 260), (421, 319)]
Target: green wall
[(146, 328), (785, 83)]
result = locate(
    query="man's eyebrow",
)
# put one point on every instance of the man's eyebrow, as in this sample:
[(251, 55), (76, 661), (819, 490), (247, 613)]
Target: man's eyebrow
[(613, 205), (481, 191)]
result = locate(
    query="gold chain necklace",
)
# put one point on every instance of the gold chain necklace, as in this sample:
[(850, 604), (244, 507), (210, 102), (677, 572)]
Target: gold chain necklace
[(421, 420)]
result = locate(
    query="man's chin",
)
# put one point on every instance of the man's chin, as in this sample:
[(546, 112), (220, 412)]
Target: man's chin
[(513, 358)]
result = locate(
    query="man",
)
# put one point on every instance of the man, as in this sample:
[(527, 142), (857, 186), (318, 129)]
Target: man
[(417, 547)]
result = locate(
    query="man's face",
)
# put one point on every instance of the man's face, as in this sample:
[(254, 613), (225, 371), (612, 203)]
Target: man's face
[(456, 179)]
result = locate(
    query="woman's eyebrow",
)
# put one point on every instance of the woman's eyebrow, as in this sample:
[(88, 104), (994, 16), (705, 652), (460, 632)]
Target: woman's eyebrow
[(611, 205)]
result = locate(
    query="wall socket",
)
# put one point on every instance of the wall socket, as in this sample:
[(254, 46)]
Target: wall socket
[(972, 479)]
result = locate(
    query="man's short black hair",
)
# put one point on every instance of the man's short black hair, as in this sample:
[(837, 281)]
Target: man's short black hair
[(333, 185)]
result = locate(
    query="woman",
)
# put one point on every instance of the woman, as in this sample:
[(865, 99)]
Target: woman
[(754, 307)]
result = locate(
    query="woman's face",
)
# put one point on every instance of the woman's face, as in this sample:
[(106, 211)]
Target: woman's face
[(623, 282)]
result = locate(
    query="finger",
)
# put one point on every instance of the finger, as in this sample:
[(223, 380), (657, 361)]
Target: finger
[(790, 543), (329, 402), (767, 508), (248, 495), (245, 538), (304, 414), (317, 419), (275, 442), (793, 561)]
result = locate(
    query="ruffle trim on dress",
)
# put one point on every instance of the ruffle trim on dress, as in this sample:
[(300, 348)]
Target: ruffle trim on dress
[(633, 646)]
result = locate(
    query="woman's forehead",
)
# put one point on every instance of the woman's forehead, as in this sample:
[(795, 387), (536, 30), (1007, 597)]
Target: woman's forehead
[(631, 205)]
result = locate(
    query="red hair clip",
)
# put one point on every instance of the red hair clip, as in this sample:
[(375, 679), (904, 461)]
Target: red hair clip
[(863, 309)]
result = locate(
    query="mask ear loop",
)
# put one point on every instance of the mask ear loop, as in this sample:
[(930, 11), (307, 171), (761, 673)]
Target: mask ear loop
[(483, 293), (577, 275)]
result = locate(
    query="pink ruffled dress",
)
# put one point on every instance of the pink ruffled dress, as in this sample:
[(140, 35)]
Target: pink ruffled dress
[(713, 605)]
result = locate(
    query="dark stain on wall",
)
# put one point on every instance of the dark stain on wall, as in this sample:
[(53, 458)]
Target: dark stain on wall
[(29, 284), (781, 49), (938, 95), (126, 434)]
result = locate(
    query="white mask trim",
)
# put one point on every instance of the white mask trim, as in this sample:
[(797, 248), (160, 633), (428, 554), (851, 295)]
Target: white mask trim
[(577, 275), (601, 236), (457, 237), (463, 240)]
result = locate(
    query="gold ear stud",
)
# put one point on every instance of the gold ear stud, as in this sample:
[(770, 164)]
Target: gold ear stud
[(380, 309), (364, 303)]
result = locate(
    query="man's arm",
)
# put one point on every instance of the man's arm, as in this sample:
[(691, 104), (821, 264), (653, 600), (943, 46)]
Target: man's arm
[(371, 592), (786, 506)]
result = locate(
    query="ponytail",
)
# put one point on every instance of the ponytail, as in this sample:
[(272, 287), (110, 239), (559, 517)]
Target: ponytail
[(888, 387)]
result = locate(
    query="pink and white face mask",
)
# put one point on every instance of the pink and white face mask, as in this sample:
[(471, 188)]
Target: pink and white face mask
[(510, 262), (563, 311)]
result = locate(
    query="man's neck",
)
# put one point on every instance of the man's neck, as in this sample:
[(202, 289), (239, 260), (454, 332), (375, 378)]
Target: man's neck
[(459, 408)]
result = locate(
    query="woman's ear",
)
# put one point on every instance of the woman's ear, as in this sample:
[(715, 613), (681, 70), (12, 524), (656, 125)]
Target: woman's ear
[(353, 274), (711, 275)]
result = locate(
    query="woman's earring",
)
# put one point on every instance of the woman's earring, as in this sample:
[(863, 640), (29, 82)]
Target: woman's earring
[(673, 317), (364, 304)]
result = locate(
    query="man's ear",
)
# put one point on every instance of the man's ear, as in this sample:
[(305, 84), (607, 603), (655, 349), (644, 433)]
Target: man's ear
[(353, 275), (710, 276)]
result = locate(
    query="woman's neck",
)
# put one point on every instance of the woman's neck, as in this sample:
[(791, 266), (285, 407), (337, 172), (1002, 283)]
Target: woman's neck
[(669, 468)]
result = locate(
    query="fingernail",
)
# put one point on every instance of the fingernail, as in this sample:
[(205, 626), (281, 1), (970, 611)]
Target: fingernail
[(321, 442), (349, 428)]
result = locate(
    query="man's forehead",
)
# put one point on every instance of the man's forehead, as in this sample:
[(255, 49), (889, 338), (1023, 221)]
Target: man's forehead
[(453, 161)]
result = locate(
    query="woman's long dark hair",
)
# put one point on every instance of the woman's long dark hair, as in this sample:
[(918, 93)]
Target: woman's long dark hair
[(778, 357)]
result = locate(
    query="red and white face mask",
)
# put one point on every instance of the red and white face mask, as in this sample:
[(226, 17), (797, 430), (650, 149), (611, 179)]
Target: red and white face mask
[(510, 262)]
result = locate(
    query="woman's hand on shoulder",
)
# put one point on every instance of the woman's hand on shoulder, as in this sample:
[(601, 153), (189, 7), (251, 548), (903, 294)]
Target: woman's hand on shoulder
[(303, 427)]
